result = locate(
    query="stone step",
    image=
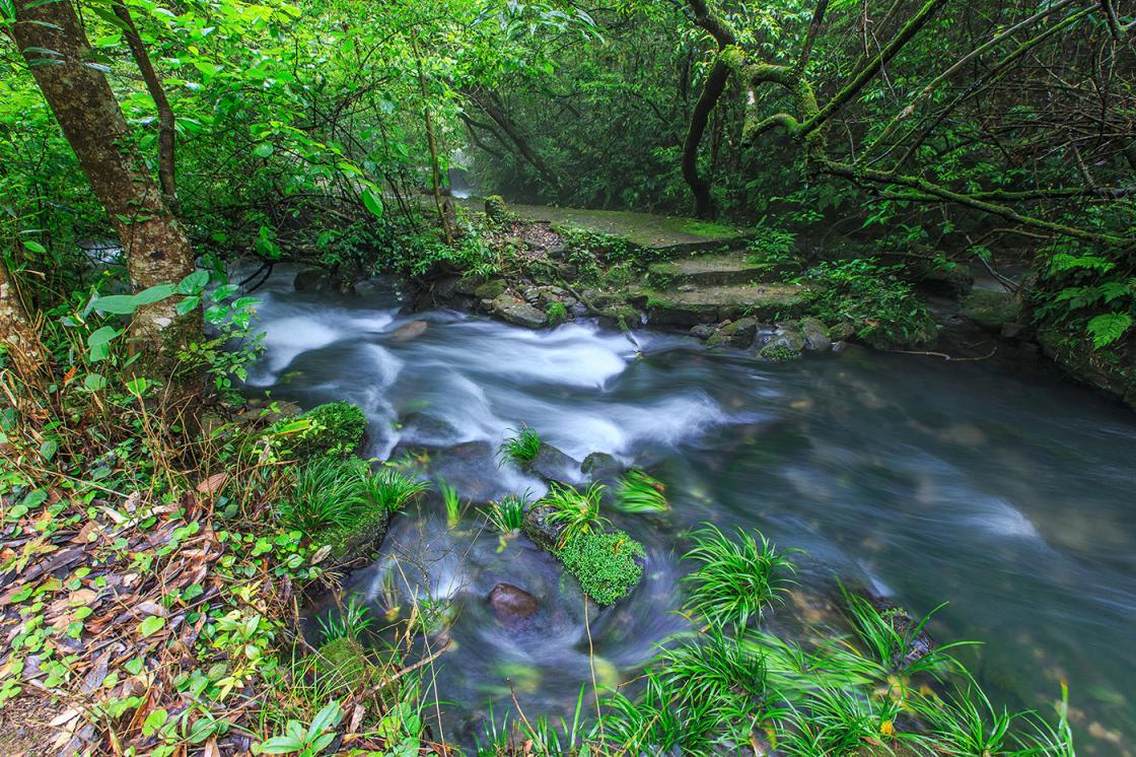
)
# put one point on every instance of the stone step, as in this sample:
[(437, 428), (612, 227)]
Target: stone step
[(686, 307), (705, 271)]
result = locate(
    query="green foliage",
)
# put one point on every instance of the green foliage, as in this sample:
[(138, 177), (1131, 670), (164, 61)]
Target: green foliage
[(774, 249), (557, 313), (882, 308), (736, 579), (607, 564), (310, 741), (336, 495), (334, 428), (576, 512), (452, 503), (506, 514), (348, 624), (1086, 293), (522, 447), (641, 493)]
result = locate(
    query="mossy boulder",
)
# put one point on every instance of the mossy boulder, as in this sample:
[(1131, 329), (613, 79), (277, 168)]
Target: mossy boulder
[(991, 308), (490, 289), (496, 210), (342, 666), (608, 565), (1112, 370), (738, 333), (334, 428)]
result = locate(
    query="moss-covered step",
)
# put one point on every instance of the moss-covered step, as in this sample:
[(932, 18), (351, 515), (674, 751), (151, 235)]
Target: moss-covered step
[(671, 235), (705, 271), (687, 307)]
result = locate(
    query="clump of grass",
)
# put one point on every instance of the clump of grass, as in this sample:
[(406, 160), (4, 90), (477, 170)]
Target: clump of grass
[(557, 313), (641, 493), (607, 565), (575, 511), (506, 514), (522, 447), (736, 580), (348, 624), (391, 490), (452, 503), (337, 494), (326, 493)]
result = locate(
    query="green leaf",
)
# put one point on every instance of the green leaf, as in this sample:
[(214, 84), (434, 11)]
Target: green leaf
[(98, 343), (373, 202), (126, 304), (48, 449), (281, 745), (94, 382), (193, 283), (1108, 327), (151, 625), (34, 246), (187, 305), (154, 722), (263, 150)]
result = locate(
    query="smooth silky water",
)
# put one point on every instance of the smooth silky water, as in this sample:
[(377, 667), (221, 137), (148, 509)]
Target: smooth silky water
[(1009, 495)]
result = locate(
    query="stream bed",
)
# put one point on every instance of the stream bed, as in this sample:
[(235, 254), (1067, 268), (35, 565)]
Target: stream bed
[(1008, 494)]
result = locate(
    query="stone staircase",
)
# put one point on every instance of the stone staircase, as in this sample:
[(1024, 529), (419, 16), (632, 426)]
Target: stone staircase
[(713, 288)]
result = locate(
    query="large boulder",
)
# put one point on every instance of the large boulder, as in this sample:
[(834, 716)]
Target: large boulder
[(739, 333), (602, 467), (517, 311), (511, 604), (816, 335)]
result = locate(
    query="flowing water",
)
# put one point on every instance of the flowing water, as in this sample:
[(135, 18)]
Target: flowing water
[(1009, 495)]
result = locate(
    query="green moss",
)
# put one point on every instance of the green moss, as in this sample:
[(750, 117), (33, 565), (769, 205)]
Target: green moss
[(334, 428), (342, 666), (607, 565), (778, 353), (556, 312), (497, 211)]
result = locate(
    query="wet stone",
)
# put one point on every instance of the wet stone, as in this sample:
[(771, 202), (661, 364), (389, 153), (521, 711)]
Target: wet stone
[(511, 604)]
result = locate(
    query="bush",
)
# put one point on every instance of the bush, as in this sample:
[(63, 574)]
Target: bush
[(334, 428), (881, 307), (607, 565)]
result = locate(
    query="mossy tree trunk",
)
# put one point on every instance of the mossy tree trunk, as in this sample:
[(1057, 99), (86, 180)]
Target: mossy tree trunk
[(52, 40)]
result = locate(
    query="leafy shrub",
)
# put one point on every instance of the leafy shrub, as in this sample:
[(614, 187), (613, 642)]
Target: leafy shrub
[(606, 564), (522, 447), (557, 313), (882, 308), (641, 493), (736, 579), (577, 512), (773, 249), (334, 428)]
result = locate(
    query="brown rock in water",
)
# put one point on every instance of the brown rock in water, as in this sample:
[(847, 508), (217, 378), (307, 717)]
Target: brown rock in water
[(511, 604), (409, 331)]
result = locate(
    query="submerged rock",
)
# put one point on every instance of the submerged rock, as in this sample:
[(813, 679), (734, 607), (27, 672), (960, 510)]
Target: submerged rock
[(512, 604), (409, 331), (553, 465), (602, 467)]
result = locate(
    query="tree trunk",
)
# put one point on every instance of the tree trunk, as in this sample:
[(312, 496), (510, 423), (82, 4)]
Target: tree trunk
[(17, 332), (166, 123), (52, 40)]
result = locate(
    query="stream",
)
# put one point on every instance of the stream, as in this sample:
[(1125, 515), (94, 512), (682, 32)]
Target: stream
[(1006, 493)]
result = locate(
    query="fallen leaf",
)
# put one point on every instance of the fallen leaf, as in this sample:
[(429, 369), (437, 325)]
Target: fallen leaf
[(213, 484)]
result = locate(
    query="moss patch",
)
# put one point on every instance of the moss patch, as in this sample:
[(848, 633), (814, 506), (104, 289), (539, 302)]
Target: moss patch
[(334, 428), (607, 565)]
